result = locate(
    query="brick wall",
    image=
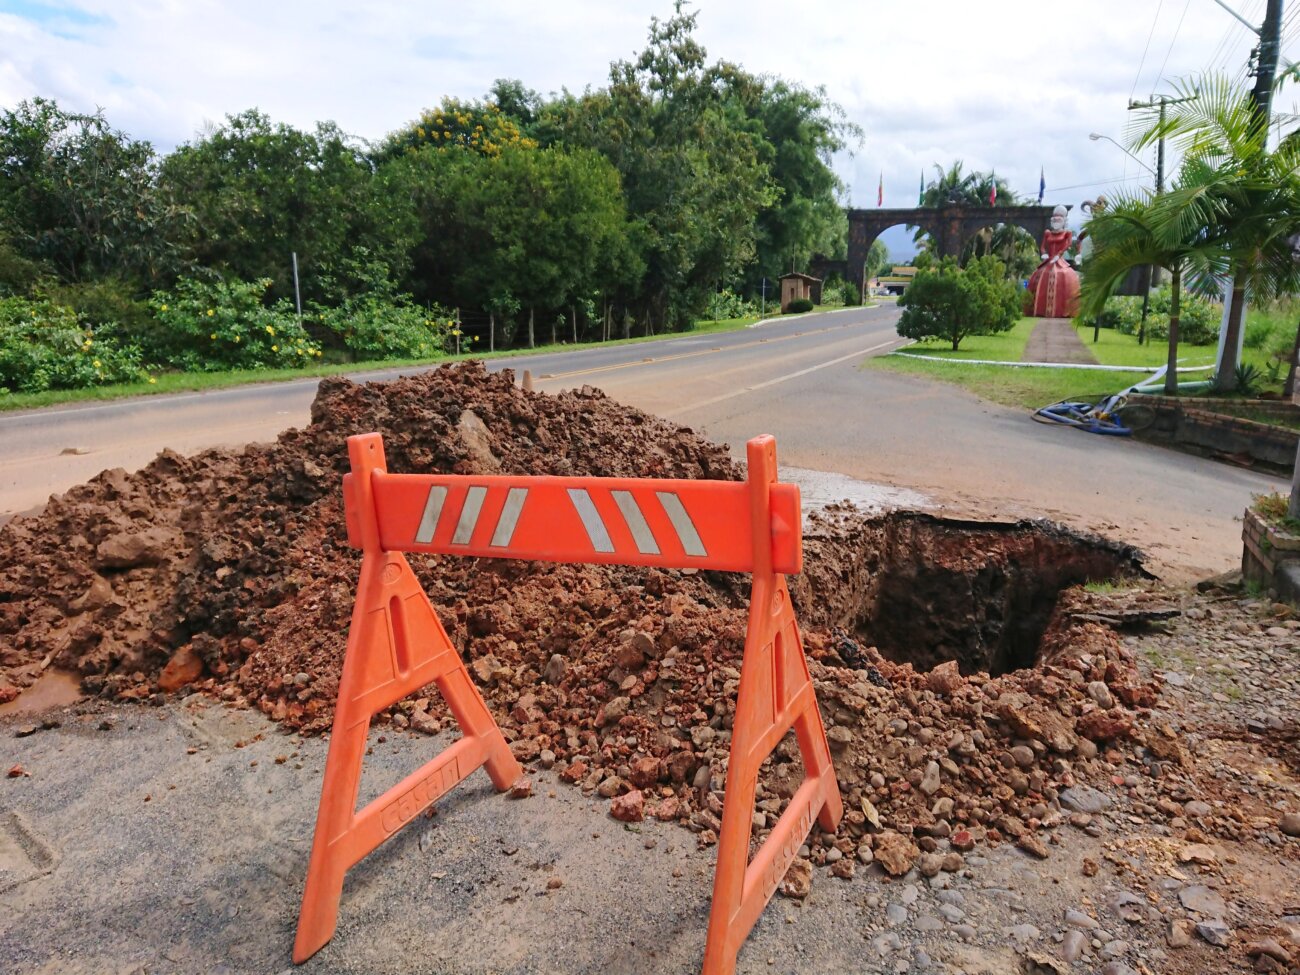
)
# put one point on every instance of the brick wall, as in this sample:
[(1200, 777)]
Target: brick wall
[(1181, 422), (1265, 549)]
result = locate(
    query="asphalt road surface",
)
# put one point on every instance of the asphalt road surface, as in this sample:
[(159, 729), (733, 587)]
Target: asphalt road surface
[(800, 379)]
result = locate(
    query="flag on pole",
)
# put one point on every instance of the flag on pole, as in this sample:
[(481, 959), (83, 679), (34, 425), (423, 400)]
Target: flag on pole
[(920, 194), (1042, 185), (880, 190), (993, 190)]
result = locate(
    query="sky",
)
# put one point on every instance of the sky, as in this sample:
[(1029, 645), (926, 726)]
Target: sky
[(1013, 86)]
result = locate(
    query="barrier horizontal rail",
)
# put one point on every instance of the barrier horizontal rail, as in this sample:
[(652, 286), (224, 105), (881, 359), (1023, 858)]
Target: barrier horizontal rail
[(606, 520)]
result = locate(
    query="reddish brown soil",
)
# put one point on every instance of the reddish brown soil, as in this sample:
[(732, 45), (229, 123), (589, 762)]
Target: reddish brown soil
[(233, 566)]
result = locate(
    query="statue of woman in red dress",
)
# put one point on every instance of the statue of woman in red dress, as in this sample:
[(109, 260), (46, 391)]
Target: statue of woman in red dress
[(1054, 285)]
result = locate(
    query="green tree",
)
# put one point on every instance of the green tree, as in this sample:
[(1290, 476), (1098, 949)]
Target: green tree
[(877, 257), (946, 302), (955, 185), (693, 173), (797, 131), (1013, 246), (1128, 232), (517, 102), (1232, 194), (255, 192), (527, 230), (482, 127), (78, 197)]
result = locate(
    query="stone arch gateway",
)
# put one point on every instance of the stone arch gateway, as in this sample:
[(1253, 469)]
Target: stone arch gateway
[(950, 227)]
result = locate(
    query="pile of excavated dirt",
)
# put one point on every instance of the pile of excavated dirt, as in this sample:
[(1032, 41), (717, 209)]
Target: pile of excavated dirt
[(229, 572)]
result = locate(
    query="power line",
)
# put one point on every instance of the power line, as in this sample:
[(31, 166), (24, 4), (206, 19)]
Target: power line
[(1291, 27), (1098, 182), (1221, 49), (1161, 73), (1150, 34), (1288, 24), (1225, 52)]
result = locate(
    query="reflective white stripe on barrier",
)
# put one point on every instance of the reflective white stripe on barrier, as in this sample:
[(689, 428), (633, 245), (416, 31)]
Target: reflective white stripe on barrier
[(432, 512), (467, 520), (636, 523), (510, 512), (597, 531), (469, 515), (591, 520), (682, 524)]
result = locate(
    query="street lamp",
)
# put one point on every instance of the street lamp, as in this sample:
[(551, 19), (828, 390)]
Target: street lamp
[(1094, 136), (1151, 268)]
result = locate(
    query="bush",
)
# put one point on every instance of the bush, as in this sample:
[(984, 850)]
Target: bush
[(1258, 332), (43, 346), (949, 303), (726, 304), (371, 319), (1198, 318), (1278, 361), (210, 326), (799, 305), (374, 327), (836, 291), (103, 302)]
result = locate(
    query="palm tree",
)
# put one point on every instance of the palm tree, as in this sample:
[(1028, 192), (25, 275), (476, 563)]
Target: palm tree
[(1014, 246), (1131, 231), (973, 189), (1233, 194), (950, 186)]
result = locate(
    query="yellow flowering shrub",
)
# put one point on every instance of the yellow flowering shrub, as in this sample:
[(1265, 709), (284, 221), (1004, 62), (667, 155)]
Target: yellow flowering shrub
[(474, 126), (210, 326), (43, 346)]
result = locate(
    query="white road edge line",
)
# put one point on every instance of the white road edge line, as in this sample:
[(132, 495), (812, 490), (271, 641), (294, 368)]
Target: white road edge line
[(781, 379)]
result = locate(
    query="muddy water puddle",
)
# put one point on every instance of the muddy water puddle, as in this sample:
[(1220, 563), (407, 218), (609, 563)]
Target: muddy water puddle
[(53, 689)]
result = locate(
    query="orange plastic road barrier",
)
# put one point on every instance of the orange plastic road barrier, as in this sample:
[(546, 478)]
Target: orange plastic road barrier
[(775, 695), (396, 645)]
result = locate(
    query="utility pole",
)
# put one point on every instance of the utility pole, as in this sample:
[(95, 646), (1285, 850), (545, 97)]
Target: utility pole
[(1153, 274), (1270, 41)]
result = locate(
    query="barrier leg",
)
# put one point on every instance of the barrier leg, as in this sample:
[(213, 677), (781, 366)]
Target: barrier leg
[(775, 695), (396, 645)]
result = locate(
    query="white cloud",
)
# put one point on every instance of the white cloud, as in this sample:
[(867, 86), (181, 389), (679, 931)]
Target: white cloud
[(1013, 86)]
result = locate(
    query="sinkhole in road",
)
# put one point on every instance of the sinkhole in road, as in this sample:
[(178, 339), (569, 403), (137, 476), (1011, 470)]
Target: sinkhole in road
[(924, 589)]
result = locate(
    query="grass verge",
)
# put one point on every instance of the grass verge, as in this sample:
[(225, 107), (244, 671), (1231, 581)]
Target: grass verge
[(180, 382), (1034, 387), (1026, 388)]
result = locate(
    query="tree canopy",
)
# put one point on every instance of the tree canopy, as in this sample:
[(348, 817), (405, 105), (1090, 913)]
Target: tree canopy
[(1232, 211), (637, 201), (945, 301)]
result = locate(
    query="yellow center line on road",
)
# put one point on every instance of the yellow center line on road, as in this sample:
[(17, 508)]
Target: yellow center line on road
[(550, 377), (781, 379)]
